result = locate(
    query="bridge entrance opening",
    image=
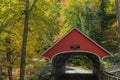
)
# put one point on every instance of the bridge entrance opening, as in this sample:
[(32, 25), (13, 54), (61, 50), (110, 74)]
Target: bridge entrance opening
[(66, 66), (80, 64)]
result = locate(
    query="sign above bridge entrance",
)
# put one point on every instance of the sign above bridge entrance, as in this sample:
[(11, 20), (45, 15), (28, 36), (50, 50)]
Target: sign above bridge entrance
[(76, 41)]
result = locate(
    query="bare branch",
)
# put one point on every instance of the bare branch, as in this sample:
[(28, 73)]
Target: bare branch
[(31, 8)]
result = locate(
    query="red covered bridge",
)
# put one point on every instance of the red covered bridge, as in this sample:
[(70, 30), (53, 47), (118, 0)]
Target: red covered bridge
[(75, 43)]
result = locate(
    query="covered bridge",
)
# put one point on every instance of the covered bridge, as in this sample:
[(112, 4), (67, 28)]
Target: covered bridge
[(75, 43)]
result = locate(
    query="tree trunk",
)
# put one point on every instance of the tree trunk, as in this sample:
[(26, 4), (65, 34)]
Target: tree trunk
[(117, 2), (10, 72), (103, 22), (23, 55), (103, 15), (0, 70), (8, 54)]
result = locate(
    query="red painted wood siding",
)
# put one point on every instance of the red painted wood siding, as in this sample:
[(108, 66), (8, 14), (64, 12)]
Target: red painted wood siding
[(75, 37)]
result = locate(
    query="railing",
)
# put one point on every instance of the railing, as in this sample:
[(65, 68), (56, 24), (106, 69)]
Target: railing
[(113, 68), (108, 73), (109, 76)]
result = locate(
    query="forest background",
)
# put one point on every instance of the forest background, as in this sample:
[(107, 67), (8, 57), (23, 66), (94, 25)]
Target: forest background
[(49, 20)]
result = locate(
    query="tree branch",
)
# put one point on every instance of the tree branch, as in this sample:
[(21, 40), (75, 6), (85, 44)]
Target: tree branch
[(31, 8)]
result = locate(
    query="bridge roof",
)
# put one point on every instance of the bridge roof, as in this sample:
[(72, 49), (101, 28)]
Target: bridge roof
[(73, 41)]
